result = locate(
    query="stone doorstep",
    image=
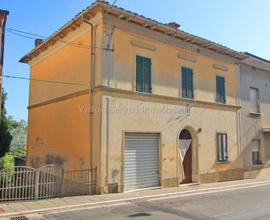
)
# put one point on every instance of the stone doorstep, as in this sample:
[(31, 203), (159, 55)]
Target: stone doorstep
[(27, 207)]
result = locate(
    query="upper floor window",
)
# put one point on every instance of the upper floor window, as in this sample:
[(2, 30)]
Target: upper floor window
[(220, 90), (143, 74), (254, 100), (222, 147), (187, 83)]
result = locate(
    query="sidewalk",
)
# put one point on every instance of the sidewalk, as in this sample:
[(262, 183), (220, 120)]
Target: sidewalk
[(28, 207)]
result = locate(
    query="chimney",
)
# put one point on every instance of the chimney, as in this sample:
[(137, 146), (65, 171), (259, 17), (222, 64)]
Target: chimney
[(3, 16), (38, 42), (174, 25)]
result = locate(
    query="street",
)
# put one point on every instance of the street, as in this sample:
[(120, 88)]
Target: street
[(247, 203)]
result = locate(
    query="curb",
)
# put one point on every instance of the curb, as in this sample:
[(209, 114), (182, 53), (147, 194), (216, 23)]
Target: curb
[(128, 200)]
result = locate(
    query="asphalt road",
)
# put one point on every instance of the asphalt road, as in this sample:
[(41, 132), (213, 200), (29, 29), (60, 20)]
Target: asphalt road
[(250, 203)]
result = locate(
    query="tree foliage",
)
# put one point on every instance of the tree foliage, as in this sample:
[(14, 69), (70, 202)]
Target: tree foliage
[(5, 128), (7, 162), (12, 138)]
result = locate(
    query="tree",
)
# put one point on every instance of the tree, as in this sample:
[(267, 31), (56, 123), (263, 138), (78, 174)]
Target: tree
[(18, 132), (5, 126)]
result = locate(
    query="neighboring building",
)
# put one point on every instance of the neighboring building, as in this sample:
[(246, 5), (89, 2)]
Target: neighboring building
[(164, 102), (255, 120), (3, 19)]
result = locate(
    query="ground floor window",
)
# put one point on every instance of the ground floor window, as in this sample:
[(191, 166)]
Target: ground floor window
[(256, 158), (222, 147)]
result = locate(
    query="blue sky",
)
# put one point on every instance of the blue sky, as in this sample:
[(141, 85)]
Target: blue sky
[(242, 25)]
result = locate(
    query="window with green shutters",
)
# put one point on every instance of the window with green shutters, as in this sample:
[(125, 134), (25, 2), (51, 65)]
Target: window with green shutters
[(143, 74), (220, 90), (222, 147), (187, 83)]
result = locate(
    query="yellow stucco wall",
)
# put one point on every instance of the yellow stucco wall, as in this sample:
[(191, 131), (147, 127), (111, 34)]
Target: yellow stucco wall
[(166, 68), (58, 134), (60, 129), (64, 63), (166, 92)]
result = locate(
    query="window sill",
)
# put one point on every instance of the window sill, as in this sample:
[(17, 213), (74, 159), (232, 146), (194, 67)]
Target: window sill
[(256, 114), (189, 99), (142, 92), (221, 103), (223, 162), (257, 165)]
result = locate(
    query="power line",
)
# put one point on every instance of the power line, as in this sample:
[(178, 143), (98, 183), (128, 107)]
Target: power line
[(24, 32), (33, 36), (25, 35), (20, 35), (42, 80)]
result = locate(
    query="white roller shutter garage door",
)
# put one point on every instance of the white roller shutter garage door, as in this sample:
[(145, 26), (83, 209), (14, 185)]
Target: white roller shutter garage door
[(141, 161)]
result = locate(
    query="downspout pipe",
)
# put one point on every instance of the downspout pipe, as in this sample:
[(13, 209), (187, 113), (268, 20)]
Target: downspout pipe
[(90, 117)]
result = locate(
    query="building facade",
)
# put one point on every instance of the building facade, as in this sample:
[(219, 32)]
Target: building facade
[(145, 103), (255, 121), (3, 19)]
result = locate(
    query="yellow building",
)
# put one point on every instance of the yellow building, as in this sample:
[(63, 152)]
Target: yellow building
[(145, 103)]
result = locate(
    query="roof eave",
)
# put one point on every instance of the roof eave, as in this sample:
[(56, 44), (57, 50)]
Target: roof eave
[(201, 42)]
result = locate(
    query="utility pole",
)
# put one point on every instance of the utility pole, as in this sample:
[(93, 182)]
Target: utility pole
[(3, 20)]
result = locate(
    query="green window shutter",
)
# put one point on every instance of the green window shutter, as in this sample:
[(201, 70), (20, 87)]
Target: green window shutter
[(139, 73), (147, 75), (184, 82), (220, 89), (190, 84), (187, 83)]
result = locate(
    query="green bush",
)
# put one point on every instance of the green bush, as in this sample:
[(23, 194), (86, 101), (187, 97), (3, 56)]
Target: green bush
[(7, 162)]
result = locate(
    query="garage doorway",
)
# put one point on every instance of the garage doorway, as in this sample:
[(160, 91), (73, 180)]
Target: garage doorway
[(141, 160)]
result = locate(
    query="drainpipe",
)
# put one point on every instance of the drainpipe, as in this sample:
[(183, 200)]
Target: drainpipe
[(90, 117)]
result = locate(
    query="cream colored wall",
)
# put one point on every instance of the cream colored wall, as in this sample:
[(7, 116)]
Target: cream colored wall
[(252, 125), (261, 173), (166, 68), (267, 149), (169, 126)]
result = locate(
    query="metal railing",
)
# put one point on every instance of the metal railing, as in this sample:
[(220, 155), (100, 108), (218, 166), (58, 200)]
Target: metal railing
[(79, 182), (17, 184), (50, 181)]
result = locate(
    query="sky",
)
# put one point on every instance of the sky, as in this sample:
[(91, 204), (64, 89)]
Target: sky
[(239, 24)]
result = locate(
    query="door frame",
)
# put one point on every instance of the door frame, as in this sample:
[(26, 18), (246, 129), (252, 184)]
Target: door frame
[(195, 155), (187, 164)]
